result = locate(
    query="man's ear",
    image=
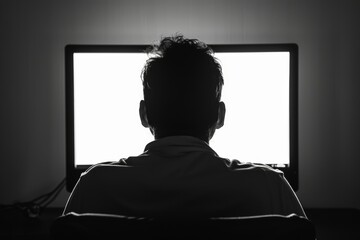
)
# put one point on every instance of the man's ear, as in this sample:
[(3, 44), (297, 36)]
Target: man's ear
[(221, 115), (143, 114)]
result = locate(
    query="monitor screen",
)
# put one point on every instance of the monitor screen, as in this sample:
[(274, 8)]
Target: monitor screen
[(104, 89)]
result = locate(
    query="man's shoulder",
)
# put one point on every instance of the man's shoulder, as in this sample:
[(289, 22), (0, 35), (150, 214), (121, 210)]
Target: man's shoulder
[(238, 166), (104, 167), (253, 175)]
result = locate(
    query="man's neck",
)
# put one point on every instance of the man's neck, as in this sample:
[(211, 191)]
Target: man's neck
[(205, 139)]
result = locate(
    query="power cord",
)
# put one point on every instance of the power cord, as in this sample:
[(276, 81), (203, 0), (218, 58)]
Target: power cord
[(34, 207)]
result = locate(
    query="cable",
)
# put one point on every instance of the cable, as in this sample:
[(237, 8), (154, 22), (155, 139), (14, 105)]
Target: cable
[(53, 196), (33, 207)]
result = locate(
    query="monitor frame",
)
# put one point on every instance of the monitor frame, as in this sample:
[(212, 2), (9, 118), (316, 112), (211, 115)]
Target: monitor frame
[(73, 173)]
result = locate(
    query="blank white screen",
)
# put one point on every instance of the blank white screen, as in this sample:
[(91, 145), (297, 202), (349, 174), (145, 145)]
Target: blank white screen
[(108, 89)]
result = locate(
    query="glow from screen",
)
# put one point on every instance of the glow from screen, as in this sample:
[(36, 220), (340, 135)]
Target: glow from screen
[(107, 92), (108, 89), (256, 96)]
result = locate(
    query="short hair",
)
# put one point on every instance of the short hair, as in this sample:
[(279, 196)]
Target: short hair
[(182, 86)]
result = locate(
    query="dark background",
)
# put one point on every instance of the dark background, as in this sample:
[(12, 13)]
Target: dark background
[(32, 39)]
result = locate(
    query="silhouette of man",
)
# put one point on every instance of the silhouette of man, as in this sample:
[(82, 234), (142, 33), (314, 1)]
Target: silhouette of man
[(179, 174)]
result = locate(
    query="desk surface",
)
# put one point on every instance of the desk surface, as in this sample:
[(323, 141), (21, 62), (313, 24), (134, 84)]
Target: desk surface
[(330, 223), (334, 224), (15, 224)]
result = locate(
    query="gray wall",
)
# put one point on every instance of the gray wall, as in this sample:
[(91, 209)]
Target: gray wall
[(34, 33)]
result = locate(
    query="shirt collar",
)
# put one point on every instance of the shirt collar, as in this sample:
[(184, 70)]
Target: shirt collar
[(175, 145)]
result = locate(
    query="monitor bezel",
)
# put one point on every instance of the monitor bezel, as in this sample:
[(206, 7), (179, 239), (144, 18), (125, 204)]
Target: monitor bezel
[(73, 173)]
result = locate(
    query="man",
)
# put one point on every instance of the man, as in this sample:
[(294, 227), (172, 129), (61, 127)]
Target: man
[(179, 174)]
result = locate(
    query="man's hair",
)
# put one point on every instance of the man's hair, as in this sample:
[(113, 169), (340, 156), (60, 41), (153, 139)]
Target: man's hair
[(182, 86)]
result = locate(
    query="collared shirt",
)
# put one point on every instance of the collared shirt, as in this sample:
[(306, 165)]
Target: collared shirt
[(183, 176)]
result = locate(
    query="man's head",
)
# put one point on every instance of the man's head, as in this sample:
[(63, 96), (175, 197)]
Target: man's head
[(182, 86)]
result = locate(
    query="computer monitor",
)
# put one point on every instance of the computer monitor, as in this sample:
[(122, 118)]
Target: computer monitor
[(104, 88)]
